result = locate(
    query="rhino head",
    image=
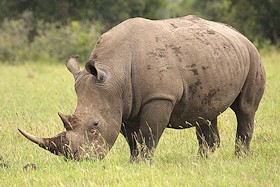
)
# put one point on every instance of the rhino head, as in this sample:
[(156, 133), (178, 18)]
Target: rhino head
[(93, 128)]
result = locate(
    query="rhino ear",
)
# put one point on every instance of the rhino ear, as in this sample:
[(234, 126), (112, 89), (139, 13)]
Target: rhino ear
[(99, 74), (73, 65)]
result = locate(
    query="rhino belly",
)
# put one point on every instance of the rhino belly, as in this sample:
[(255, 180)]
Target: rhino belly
[(202, 107)]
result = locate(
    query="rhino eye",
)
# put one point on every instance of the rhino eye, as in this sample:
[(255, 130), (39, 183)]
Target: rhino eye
[(93, 126), (95, 123)]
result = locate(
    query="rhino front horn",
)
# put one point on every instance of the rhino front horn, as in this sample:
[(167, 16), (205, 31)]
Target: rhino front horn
[(73, 65), (55, 145), (40, 141)]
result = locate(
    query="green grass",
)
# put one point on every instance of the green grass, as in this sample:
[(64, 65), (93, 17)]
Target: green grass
[(32, 94)]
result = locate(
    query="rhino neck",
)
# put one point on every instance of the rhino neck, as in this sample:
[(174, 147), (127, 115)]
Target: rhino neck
[(120, 64)]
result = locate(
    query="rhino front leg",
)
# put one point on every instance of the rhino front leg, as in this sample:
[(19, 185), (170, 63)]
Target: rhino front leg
[(130, 130), (154, 117), (208, 137)]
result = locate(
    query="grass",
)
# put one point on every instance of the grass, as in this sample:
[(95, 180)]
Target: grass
[(32, 94)]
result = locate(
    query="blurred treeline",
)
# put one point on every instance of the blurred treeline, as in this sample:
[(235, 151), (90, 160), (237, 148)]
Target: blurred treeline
[(52, 30)]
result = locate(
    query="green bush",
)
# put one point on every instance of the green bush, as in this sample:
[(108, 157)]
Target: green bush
[(59, 42), (13, 41), (51, 41)]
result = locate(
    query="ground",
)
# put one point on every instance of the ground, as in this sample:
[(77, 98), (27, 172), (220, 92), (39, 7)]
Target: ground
[(33, 93)]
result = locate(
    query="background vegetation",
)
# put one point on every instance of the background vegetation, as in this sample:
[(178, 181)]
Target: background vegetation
[(53, 30)]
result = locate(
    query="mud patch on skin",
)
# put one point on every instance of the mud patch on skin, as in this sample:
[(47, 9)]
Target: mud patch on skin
[(208, 98), (193, 88), (159, 52), (210, 31), (165, 69), (193, 69), (205, 67), (99, 41), (173, 25), (157, 39), (199, 37), (193, 18), (95, 56), (195, 72), (177, 51)]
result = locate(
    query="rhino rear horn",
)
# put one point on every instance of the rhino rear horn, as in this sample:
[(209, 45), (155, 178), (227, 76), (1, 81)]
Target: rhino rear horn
[(73, 65), (66, 121)]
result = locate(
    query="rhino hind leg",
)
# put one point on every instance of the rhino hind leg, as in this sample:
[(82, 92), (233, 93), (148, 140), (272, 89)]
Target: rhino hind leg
[(245, 128), (246, 105), (208, 137)]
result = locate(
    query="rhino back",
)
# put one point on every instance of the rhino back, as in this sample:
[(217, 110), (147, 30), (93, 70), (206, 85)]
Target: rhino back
[(198, 65)]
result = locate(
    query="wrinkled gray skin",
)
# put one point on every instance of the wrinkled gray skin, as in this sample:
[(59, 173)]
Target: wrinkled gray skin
[(144, 76)]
